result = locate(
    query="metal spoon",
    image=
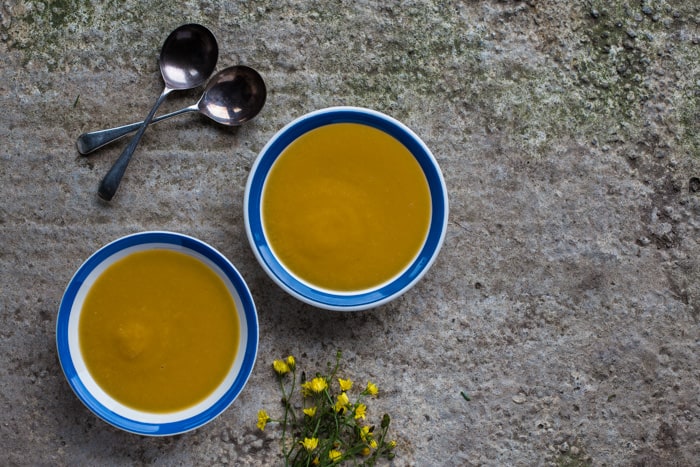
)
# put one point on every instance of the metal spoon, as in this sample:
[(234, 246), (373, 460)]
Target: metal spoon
[(187, 58), (232, 97)]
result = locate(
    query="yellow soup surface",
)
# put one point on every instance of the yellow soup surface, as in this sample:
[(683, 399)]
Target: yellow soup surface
[(346, 207), (158, 330)]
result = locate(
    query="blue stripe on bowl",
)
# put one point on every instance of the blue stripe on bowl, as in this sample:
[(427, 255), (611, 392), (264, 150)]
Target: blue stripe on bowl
[(66, 359), (365, 299)]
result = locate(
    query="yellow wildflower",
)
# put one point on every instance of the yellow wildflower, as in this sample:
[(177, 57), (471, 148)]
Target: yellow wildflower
[(342, 402), (280, 367), (316, 385), (263, 418), (365, 433), (291, 362), (372, 389), (365, 452), (345, 384), (310, 444), (311, 411), (392, 444), (334, 455), (360, 411), (373, 443), (316, 461)]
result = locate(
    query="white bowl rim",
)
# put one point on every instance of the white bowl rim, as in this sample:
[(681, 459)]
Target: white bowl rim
[(340, 301), (158, 424)]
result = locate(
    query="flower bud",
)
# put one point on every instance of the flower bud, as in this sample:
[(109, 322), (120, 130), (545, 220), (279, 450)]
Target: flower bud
[(386, 420)]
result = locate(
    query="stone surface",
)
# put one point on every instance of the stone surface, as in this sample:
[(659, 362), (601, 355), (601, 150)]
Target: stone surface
[(565, 301)]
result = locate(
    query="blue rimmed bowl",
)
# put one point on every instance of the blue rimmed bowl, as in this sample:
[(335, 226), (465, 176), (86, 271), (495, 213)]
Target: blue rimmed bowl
[(94, 397), (344, 300)]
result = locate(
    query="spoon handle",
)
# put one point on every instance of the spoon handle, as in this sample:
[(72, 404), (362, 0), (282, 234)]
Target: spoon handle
[(109, 184), (91, 141)]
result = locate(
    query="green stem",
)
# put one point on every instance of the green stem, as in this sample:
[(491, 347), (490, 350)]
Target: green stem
[(380, 444), (284, 423), (291, 394)]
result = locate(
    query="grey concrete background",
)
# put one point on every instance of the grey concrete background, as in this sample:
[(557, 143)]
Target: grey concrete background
[(565, 301)]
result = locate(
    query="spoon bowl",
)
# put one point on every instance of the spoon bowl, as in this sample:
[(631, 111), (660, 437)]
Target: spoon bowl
[(232, 97), (188, 57)]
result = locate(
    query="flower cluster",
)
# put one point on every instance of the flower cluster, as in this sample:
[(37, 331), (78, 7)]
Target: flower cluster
[(324, 426)]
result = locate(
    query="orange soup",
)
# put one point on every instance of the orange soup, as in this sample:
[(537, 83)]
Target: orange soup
[(158, 331), (346, 207)]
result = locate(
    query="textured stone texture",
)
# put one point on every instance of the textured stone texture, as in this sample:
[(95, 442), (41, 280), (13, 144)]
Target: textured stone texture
[(565, 301)]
